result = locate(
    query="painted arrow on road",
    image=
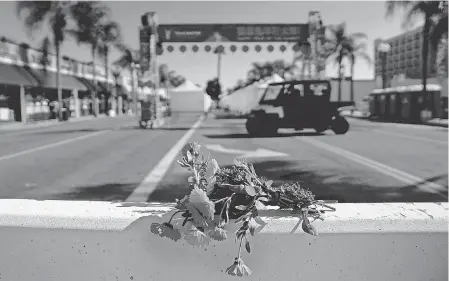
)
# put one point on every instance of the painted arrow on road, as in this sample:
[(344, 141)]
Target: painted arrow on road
[(259, 153)]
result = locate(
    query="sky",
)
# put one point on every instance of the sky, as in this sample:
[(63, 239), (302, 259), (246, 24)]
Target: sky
[(361, 16)]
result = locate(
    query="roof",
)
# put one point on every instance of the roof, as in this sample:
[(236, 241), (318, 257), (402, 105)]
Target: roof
[(296, 82), (47, 79), (16, 75), (187, 86)]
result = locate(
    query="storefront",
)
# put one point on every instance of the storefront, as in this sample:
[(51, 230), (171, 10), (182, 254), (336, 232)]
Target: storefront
[(15, 82), (47, 90)]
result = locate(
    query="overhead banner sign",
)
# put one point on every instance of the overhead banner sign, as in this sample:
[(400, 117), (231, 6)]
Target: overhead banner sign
[(177, 33)]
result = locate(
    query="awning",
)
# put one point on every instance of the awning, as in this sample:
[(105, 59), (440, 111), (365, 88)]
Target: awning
[(122, 91), (16, 75), (101, 86), (47, 79)]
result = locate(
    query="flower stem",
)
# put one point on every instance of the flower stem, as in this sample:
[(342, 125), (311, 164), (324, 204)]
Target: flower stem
[(240, 247), (174, 215)]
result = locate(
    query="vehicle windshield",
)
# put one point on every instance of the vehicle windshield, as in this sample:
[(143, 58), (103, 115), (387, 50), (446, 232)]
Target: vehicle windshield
[(272, 93)]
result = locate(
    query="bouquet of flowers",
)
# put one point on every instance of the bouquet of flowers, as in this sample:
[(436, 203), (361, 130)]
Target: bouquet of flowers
[(220, 196)]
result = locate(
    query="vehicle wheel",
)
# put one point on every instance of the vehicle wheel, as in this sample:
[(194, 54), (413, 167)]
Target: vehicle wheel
[(340, 125), (253, 127), (321, 129), (270, 130), (143, 124)]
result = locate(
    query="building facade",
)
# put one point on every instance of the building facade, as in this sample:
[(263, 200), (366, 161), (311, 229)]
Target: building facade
[(404, 59)]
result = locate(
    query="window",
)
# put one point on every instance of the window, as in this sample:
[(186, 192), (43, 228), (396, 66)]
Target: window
[(272, 92)]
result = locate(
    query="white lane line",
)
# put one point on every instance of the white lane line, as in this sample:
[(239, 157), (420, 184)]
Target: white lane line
[(149, 184), (51, 145), (382, 168), (412, 137)]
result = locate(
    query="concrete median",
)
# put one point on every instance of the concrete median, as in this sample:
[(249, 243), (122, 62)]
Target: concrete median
[(75, 240)]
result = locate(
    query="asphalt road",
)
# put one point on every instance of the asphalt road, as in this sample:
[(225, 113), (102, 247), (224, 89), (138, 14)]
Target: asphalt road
[(110, 159)]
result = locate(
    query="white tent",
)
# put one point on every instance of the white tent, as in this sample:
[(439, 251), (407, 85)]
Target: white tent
[(189, 97), (245, 99)]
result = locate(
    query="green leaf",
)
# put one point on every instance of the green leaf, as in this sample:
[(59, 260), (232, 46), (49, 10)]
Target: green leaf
[(182, 164), (250, 190), (308, 227), (252, 227), (241, 207), (201, 207), (247, 247), (259, 205), (269, 183), (189, 157)]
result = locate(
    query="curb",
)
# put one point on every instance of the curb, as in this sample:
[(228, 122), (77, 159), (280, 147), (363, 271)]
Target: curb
[(48, 123), (431, 124)]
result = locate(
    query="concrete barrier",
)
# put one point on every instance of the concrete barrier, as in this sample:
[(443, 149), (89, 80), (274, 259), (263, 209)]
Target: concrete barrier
[(66, 240)]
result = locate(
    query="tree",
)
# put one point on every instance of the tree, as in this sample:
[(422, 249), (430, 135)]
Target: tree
[(164, 77), (335, 49), (129, 60), (56, 15), (439, 40), (429, 11), (213, 89), (304, 56), (355, 48), (93, 28), (45, 49), (109, 36)]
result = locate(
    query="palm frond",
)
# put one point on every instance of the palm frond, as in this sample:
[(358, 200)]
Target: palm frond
[(393, 6), (36, 13), (440, 28)]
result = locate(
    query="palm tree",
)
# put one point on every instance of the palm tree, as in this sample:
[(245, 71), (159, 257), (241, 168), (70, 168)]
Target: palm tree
[(429, 11), (90, 19), (281, 68), (303, 54), (45, 49), (129, 60), (439, 40), (355, 49), (56, 14), (109, 36), (335, 49)]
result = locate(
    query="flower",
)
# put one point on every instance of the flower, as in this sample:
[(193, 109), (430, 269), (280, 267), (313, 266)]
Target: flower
[(195, 237), (218, 234), (238, 268), (192, 147), (166, 230)]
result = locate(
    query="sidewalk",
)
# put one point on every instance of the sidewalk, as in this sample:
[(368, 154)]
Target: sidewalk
[(16, 126), (437, 122)]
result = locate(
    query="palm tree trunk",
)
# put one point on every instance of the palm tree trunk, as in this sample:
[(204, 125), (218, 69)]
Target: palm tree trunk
[(58, 78), (424, 54), (340, 78), (352, 80), (94, 79), (111, 89), (442, 56), (309, 67), (303, 69), (133, 90)]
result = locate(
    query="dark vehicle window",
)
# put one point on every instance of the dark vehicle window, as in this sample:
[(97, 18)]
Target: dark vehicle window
[(272, 92), (319, 89)]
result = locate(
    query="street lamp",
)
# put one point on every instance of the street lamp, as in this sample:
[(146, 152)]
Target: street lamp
[(383, 49)]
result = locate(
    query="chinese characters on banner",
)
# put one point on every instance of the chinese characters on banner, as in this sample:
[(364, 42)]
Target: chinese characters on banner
[(234, 33)]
